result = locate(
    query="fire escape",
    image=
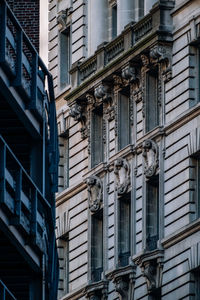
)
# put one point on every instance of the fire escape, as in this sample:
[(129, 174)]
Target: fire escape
[(28, 168)]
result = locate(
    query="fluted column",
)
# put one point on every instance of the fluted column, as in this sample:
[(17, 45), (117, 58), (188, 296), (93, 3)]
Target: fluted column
[(125, 13), (97, 24)]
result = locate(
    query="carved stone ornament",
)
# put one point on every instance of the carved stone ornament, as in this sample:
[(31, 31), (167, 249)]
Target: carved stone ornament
[(124, 279), (62, 20), (150, 154), (194, 257), (122, 174), (77, 113), (101, 92), (97, 290), (151, 264), (95, 193), (129, 73)]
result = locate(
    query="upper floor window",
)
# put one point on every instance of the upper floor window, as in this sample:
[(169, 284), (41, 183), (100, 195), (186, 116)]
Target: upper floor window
[(114, 21), (124, 230), (152, 108), (97, 136), (124, 119), (96, 246), (152, 212), (65, 57)]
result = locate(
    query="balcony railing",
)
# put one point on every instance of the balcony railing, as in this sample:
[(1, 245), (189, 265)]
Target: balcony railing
[(21, 198), (5, 294), (157, 22)]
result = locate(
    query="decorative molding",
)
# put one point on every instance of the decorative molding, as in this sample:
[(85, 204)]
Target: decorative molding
[(150, 155), (101, 93), (194, 32), (95, 193), (194, 257), (97, 290), (62, 225), (194, 141), (62, 20), (77, 112), (129, 73), (124, 280), (122, 175), (151, 264)]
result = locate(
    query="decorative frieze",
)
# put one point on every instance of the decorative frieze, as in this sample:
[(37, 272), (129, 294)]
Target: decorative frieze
[(122, 175), (95, 193), (150, 155)]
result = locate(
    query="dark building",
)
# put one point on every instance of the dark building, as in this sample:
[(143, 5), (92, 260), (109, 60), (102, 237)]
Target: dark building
[(28, 163)]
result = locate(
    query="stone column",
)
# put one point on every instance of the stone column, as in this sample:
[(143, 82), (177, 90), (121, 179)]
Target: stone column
[(97, 24), (125, 13), (148, 5)]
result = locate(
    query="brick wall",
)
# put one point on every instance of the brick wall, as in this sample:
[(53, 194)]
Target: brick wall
[(27, 12)]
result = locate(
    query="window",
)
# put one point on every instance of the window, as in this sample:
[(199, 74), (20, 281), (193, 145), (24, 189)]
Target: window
[(124, 230), (124, 120), (65, 57), (97, 136), (152, 111), (196, 178), (96, 246), (63, 174), (152, 213), (63, 253), (114, 21)]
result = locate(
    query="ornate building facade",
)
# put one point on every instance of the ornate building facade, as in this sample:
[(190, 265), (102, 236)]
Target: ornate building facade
[(28, 161), (126, 76)]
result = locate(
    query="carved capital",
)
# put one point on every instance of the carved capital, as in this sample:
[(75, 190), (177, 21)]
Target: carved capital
[(129, 73), (77, 112), (102, 93), (145, 60), (97, 290), (62, 20), (122, 174), (151, 264), (95, 193), (150, 155), (124, 279)]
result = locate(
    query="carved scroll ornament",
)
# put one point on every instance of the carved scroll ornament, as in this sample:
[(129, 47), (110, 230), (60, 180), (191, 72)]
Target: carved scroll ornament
[(95, 193), (150, 154), (122, 173)]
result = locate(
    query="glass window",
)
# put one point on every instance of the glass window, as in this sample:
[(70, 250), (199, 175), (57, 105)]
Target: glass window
[(124, 230), (97, 136), (152, 213), (65, 57), (97, 246), (152, 111), (124, 120)]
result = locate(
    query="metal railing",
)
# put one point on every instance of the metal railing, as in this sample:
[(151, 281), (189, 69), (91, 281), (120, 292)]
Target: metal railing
[(5, 294)]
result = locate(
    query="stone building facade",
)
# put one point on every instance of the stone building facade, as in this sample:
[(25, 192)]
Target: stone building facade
[(127, 77)]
